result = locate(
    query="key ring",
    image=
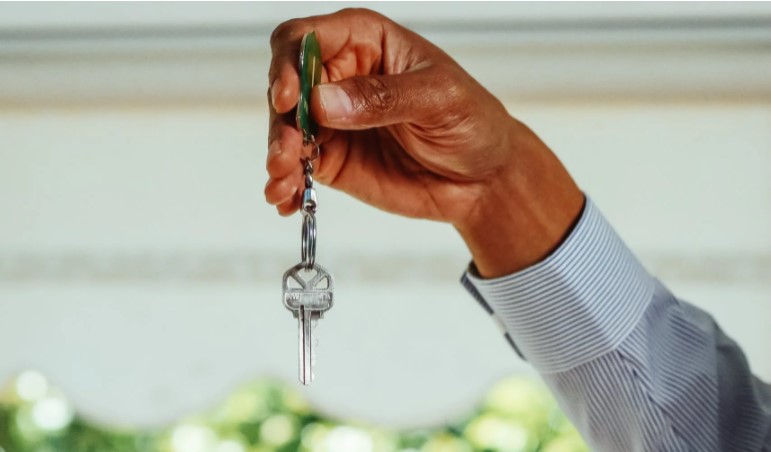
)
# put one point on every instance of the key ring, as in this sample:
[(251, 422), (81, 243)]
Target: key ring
[(316, 151), (309, 240), (308, 208)]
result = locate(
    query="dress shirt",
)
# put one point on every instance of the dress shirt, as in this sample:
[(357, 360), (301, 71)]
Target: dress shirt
[(632, 366)]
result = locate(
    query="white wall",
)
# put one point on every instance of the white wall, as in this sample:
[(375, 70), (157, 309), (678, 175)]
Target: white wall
[(140, 267)]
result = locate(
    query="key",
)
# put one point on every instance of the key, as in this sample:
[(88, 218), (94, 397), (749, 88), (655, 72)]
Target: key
[(308, 295)]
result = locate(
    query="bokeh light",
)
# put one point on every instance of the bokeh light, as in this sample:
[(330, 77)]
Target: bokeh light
[(348, 439), (52, 413), (278, 430), (516, 415), (193, 438), (230, 446), (31, 385)]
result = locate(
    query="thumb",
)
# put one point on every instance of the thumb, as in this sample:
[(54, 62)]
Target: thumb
[(364, 102)]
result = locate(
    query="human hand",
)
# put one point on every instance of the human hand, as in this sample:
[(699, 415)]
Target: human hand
[(406, 129)]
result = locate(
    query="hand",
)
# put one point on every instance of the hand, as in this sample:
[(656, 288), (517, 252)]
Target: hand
[(407, 130)]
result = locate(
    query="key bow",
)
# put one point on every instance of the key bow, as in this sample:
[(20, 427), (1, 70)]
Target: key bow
[(309, 295)]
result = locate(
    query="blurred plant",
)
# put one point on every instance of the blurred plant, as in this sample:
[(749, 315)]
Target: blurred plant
[(517, 415)]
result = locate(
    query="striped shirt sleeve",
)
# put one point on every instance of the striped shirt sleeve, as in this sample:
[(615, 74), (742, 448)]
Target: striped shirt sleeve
[(632, 366)]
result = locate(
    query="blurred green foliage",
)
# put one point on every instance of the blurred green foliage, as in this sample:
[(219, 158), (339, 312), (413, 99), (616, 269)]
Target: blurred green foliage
[(516, 415)]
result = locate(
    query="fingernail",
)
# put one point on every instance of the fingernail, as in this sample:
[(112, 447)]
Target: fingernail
[(275, 148), (335, 102), (273, 93)]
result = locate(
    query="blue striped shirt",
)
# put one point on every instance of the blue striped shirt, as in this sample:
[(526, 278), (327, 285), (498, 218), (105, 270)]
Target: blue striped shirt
[(633, 367)]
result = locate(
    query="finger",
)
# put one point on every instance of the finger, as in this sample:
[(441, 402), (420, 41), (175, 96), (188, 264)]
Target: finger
[(285, 89), (334, 32), (284, 145), (285, 192), (284, 150), (363, 102), (279, 191), (289, 207)]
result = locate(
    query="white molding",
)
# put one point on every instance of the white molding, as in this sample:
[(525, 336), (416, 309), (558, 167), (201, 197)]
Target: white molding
[(214, 53), (264, 267), (79, 15)]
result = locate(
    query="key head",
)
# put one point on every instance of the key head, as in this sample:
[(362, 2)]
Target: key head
[(312, 289)]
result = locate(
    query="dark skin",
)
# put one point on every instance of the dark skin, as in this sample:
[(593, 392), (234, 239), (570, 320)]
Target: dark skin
[(405, 129)]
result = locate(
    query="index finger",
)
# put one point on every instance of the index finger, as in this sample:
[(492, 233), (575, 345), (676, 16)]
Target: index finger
[(336, 32)]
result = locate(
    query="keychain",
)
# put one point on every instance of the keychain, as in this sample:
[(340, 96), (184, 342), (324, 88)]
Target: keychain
[(308, 287)]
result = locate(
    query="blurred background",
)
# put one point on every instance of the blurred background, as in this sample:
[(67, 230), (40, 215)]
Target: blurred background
[(140, 267)]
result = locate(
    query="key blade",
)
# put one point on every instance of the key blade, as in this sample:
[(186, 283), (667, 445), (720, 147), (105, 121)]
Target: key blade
[(305, 327)]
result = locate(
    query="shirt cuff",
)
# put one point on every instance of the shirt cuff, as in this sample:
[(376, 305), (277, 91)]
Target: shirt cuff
[(577, 304)]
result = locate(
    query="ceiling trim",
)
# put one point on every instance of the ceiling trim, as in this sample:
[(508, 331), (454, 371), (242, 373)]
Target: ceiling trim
[(551, 57)]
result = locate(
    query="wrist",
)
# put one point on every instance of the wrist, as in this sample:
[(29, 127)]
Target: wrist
[(525, 210)]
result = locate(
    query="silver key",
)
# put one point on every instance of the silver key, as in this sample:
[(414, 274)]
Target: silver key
[(308, 294)]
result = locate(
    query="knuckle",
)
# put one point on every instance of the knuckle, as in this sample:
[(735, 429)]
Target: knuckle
[(284, 31), (456, 97), (363, 13), (444, 98), (374, 96), (454, 91), (356, 12), (456, 94)]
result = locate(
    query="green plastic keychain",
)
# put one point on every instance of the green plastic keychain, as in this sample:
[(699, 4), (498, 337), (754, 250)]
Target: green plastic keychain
[(310, 76)]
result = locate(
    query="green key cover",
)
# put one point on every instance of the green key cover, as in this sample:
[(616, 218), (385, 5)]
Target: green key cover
[(310, 75)]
